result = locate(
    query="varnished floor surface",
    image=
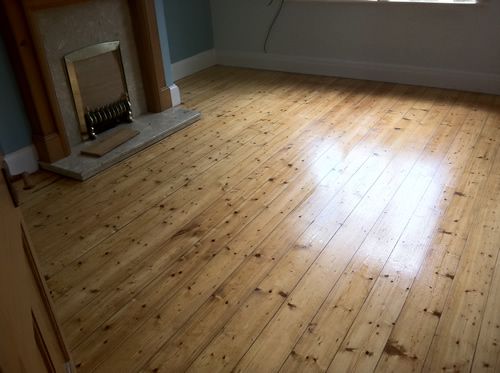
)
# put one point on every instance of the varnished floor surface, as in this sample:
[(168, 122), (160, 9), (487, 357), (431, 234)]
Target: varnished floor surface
[(305, 224)]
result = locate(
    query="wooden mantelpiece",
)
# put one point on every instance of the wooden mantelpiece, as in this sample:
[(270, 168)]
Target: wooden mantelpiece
[(32, 71), (148, 45), (37, 89)]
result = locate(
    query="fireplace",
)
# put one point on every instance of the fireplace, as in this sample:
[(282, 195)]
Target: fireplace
[(99, 88), (78, 65)]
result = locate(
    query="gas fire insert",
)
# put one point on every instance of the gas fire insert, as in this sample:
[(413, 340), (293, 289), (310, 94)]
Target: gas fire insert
[(99, 88)]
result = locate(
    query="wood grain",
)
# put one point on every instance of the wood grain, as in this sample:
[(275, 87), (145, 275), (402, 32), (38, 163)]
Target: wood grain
[(109, 142), (304, 224)]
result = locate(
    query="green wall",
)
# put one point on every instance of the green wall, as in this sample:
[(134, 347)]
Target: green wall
[(189, 24), (15, 132)]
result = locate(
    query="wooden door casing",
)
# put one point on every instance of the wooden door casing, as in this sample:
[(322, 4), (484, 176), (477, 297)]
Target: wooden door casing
[(30, 339)]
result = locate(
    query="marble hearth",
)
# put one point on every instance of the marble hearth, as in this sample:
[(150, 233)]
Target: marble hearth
[(152, 128), (58, 28)]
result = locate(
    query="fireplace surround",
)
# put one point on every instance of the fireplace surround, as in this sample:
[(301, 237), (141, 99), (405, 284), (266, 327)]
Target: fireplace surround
[(37, 47)]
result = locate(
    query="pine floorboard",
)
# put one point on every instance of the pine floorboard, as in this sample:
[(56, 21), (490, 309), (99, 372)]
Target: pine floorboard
[(304, 224)]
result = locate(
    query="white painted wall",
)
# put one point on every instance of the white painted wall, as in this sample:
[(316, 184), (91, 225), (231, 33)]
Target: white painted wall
[(456, 46)]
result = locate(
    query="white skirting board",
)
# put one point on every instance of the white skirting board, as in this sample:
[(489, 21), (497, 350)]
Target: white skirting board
[(22, 160), (194, 64), (432, 77), (26, 159), (175, 95)]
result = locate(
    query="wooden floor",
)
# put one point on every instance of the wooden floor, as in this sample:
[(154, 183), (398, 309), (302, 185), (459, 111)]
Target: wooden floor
[(304, 224)]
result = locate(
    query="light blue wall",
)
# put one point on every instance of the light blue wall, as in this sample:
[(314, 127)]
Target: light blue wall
[(185, 29), (164, 40), (15, 132), (189, 24)]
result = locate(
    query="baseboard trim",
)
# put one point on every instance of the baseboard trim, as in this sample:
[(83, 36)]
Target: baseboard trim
[(22, 160), (193, 64), (175, 95), (440, 78)]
